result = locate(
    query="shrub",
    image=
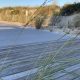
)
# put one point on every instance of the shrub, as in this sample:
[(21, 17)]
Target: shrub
[(15, 12), (70, 9), (39, 20), (51, 63)]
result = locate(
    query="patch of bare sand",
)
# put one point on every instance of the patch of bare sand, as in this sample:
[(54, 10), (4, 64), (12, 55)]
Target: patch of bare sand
[(10, 24)]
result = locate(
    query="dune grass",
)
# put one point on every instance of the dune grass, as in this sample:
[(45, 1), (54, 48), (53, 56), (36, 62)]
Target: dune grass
[(50, 64)]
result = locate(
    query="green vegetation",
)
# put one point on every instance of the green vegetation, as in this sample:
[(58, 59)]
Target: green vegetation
[(68, 18), (70, 9), (51, 63), (47, 67), (39, 20)]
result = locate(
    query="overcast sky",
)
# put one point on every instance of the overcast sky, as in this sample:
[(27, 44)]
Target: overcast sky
[(7, 3)]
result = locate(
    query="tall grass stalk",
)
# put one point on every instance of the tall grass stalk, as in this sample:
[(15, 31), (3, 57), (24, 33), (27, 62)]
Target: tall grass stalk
[(47, 69)]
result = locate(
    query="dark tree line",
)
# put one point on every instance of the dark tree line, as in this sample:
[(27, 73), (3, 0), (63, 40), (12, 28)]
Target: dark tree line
[(70, 9)]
